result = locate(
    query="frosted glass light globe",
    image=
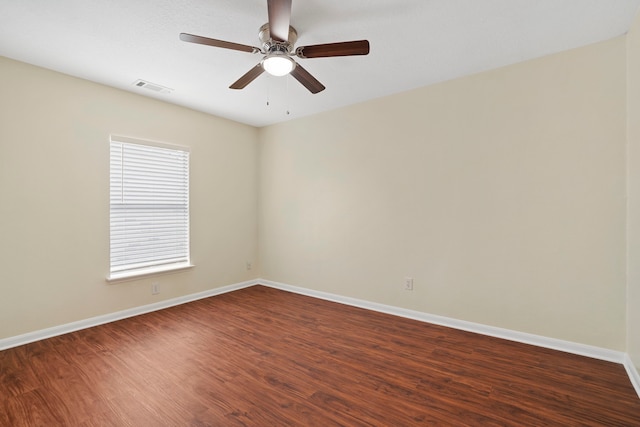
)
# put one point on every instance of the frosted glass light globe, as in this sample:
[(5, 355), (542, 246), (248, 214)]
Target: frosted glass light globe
[(278, 64)]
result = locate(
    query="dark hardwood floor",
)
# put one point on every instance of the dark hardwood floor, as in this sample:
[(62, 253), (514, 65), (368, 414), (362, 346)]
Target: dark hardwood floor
[(264, 357)]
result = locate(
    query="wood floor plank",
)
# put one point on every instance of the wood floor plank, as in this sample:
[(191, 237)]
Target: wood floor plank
[(264, 357)]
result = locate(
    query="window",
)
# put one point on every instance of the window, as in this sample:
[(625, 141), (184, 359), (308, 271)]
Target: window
[(149, 208)]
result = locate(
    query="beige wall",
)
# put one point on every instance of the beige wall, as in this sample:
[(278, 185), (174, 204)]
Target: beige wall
[(54, 205), (633, 123), (502, 194)]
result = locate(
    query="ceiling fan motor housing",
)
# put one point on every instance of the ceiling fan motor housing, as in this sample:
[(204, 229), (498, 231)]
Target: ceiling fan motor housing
[(269, 45)]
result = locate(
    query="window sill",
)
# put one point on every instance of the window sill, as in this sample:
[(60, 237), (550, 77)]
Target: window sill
[(143, 272)]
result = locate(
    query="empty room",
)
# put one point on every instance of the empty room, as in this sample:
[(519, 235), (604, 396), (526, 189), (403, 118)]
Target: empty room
[(320, 213)]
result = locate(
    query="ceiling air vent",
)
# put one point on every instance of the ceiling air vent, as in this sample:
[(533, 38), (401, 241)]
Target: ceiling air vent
[(152, 86)]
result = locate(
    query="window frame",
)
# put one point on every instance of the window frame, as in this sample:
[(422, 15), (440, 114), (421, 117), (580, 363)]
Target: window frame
[(136, 272)]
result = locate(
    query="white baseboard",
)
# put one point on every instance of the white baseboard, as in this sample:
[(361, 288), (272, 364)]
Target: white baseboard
[(523, 337), (537, 340), (119, 315), (634, 376)]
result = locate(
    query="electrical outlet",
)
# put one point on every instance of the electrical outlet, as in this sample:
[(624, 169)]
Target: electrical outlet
[(155, 288), (249, 265), (408, 283)]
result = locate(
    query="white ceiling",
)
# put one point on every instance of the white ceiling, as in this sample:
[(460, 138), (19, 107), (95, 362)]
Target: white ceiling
[(414, 43)]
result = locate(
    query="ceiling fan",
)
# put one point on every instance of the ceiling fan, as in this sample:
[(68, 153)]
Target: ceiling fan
[(278, 39)]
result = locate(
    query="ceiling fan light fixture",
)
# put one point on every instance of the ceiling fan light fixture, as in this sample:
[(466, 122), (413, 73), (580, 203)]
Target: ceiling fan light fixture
[(278, 64), (278, 39)]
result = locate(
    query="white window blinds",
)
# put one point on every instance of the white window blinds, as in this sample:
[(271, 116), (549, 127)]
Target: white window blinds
[(149, 208)]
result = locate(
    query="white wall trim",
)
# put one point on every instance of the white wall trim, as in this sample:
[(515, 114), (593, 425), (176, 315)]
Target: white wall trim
[(634, 376), (523, 337), (508, 334), (537, 340), (42, 334)]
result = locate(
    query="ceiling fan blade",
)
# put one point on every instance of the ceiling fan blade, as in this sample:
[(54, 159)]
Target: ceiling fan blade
[(250, 76), (217, 43), (279, 19), (307, 80), (357, 47)]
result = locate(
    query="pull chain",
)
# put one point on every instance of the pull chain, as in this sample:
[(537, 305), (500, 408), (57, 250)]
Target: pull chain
[(287, 94), (268, 90)]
